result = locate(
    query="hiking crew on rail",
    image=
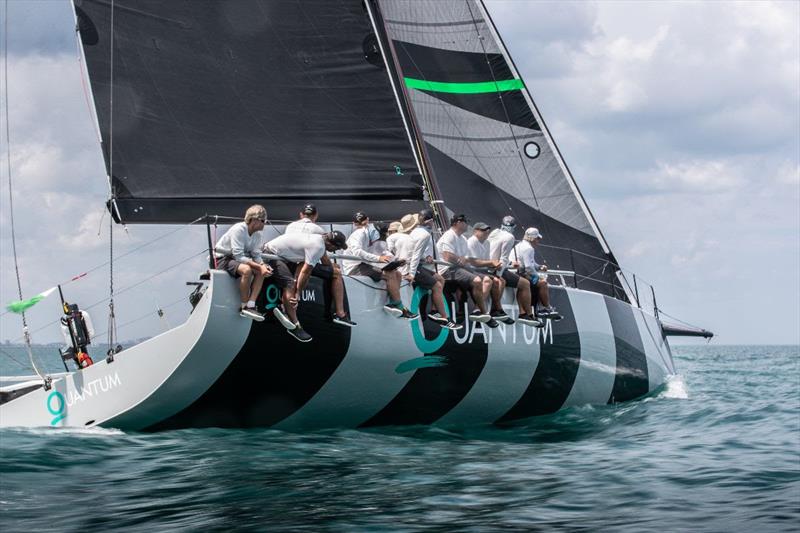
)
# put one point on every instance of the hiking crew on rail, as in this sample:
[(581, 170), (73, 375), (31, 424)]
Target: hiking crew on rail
[(480, 267)]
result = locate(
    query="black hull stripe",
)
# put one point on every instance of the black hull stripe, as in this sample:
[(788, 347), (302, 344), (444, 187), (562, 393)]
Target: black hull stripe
[(558, 366), (631, 380), (432, 392), (273, 375)]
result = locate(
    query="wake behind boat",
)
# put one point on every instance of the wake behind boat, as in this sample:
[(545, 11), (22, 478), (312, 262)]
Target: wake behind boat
[(356, 106)]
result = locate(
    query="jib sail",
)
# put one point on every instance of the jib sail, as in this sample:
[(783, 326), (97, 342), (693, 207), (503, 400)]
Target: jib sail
[(488, 149)]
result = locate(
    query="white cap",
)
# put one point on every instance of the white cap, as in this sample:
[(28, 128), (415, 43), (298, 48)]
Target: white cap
[(532, 233)]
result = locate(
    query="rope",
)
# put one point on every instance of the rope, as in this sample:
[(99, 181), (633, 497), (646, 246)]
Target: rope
[(112, 320), (25, 333)]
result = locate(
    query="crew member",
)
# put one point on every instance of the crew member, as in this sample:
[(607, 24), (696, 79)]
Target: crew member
[(299, 253), (238, 252), (453, 248), (478, 247), (525, 254), (501, 242), (357, 245), (307, 223), (421, 270)]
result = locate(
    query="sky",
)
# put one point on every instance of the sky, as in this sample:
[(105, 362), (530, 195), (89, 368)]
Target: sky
[(679, 120)]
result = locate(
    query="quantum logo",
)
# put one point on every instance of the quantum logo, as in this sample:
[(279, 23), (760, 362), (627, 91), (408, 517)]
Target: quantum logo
[(425, 345), (55, 405)]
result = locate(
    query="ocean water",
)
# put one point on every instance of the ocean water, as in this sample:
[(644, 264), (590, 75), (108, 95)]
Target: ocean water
[(718, 449)]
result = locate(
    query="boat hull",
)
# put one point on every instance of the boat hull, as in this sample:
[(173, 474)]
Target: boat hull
[(388, 371)]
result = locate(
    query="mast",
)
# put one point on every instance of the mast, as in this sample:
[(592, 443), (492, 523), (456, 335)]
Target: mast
[(407, 112)]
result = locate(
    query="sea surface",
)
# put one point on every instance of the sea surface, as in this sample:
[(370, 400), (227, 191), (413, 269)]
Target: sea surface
[(718, 449)]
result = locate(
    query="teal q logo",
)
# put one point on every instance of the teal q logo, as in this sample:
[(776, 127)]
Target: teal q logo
[(56, 405), (273, 296), (425, 345)]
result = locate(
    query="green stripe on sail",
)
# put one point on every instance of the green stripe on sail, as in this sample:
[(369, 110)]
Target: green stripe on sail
[(20, 306), (465, 88)]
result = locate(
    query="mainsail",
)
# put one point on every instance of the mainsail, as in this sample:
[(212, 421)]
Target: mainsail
[(488, 149), (217, 105)]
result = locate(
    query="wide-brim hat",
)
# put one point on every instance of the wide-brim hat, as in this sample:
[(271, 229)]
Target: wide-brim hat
[(408, 223), (395, 226)]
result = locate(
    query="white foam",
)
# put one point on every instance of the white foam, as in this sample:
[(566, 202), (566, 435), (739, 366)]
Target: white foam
[(90, 431), (675, 388)]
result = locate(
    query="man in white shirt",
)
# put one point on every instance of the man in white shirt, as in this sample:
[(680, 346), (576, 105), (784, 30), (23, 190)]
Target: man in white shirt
[(453, 248), (238, 252), (421, 270), (501, 243), (525, 254), (357, 245), (307, 222), (478, 247), (299, 253)]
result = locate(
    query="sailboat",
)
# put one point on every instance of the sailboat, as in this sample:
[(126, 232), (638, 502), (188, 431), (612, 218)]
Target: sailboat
[(382, 106)]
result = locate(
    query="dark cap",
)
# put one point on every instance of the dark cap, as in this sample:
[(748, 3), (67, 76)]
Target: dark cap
[(509, 221), (309, 209), (360, 217), (458, 218), (425, 215), (481, 226), (337, 239)]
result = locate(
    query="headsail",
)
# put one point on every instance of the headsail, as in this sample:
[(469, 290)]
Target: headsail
[(220, 104), (488, 149)]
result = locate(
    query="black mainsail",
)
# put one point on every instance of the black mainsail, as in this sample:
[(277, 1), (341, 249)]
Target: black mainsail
[(489, 151), (217, 105)]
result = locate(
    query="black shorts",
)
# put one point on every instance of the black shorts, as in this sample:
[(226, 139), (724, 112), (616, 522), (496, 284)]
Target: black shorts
[(462, 277), (512, 278), (322, 271), (229, 265), (363, 269), (424, 278), (281, 273)]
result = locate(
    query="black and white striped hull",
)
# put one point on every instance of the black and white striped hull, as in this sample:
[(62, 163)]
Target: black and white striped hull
[(383, 372)]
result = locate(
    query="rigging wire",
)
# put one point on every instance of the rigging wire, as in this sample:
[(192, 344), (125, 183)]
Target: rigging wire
[(25, 332), (112, 322)]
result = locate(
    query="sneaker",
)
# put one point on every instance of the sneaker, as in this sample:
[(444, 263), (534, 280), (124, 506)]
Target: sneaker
[(439, 319), (394, 310), (478, 316), (251, 313), (299, 333), (492, 323), (408, 315), (548, 312), (452, 325), (501, 316), (343, 321), (282, 318), (530, 320)]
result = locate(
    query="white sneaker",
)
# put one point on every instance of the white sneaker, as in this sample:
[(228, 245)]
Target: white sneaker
[(251, 313), (282, 318)]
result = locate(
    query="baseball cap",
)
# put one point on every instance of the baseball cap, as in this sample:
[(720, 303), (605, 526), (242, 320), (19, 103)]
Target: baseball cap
[(425, 215), (458, 218), (338, 239), (309, 209), (533, 233), (360, 217), (481, 226), (509, 221)]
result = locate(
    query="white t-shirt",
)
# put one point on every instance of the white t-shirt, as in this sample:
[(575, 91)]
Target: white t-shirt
[(501, 242), (453, 243), (401, 246), (526, 255), (478, 249), (422, 247), (297, 247), (357, 245), (304, 225), (239, 244)]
